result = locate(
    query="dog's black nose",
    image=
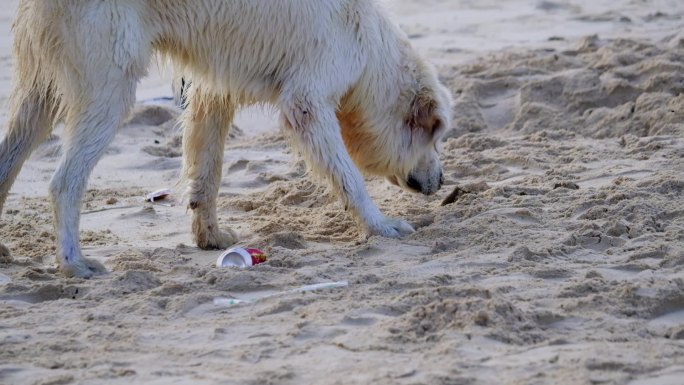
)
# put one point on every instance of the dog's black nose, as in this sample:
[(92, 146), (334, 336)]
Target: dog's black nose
[(414, 184)]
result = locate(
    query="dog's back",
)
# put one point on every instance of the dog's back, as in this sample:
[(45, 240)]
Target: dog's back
[(249, 48), (244, 47)]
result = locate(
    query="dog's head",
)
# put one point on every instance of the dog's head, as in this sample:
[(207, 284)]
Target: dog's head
[(401, 143)]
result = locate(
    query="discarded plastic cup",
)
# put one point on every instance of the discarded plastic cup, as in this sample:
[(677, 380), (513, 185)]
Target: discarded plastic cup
[(240, 257)]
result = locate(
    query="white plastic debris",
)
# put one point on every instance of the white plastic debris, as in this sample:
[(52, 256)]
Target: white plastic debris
[(158, 195), (321, 286), (228, 302)]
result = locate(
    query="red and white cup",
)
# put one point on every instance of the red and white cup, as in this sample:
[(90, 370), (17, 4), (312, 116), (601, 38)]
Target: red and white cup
[(240, 257)]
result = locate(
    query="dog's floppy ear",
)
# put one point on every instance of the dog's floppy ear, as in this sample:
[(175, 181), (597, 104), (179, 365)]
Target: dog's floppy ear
[(423, 115)]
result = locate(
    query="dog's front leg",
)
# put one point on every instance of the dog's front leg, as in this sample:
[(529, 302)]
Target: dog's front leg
[(315, 131), (208, 120)]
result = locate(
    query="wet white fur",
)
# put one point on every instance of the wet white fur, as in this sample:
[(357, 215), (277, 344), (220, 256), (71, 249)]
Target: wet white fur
[(352, 92)]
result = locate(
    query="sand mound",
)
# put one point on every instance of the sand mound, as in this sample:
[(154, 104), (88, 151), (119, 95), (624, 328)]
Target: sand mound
[(599, 89)]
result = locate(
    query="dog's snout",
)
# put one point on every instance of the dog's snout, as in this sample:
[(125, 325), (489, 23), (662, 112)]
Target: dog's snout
[(414, 184)]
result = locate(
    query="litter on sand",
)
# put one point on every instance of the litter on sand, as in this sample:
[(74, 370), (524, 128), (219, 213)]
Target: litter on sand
[(228, 302), (158, 195)]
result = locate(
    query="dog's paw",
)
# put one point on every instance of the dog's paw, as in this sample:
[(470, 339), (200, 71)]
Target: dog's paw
[(392, 228), (216, 239), (82, 268)]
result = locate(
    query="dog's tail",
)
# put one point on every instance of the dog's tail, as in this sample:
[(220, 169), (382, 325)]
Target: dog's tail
[(34, 107), (31, 120)]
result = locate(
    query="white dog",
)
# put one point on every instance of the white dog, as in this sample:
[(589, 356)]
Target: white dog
[(351, 91)]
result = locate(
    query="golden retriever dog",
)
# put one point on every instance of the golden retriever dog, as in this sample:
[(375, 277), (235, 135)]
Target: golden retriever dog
[(353, 95)]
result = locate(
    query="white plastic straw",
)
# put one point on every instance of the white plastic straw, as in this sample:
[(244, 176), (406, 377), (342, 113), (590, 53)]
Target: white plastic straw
[(228, 302)]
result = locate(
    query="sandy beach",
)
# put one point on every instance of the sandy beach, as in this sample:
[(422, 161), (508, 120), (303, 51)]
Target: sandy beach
[(554, 254)]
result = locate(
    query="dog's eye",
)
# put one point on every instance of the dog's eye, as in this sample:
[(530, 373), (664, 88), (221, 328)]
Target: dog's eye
[(436, 126)]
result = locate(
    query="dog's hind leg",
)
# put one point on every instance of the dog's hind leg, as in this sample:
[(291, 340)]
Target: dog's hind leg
[(89, 129), (208, 120), (30, 123), (313, 126), (107, 50)]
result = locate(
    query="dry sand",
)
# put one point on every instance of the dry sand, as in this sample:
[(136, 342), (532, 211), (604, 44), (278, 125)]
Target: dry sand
[(558, 261)]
